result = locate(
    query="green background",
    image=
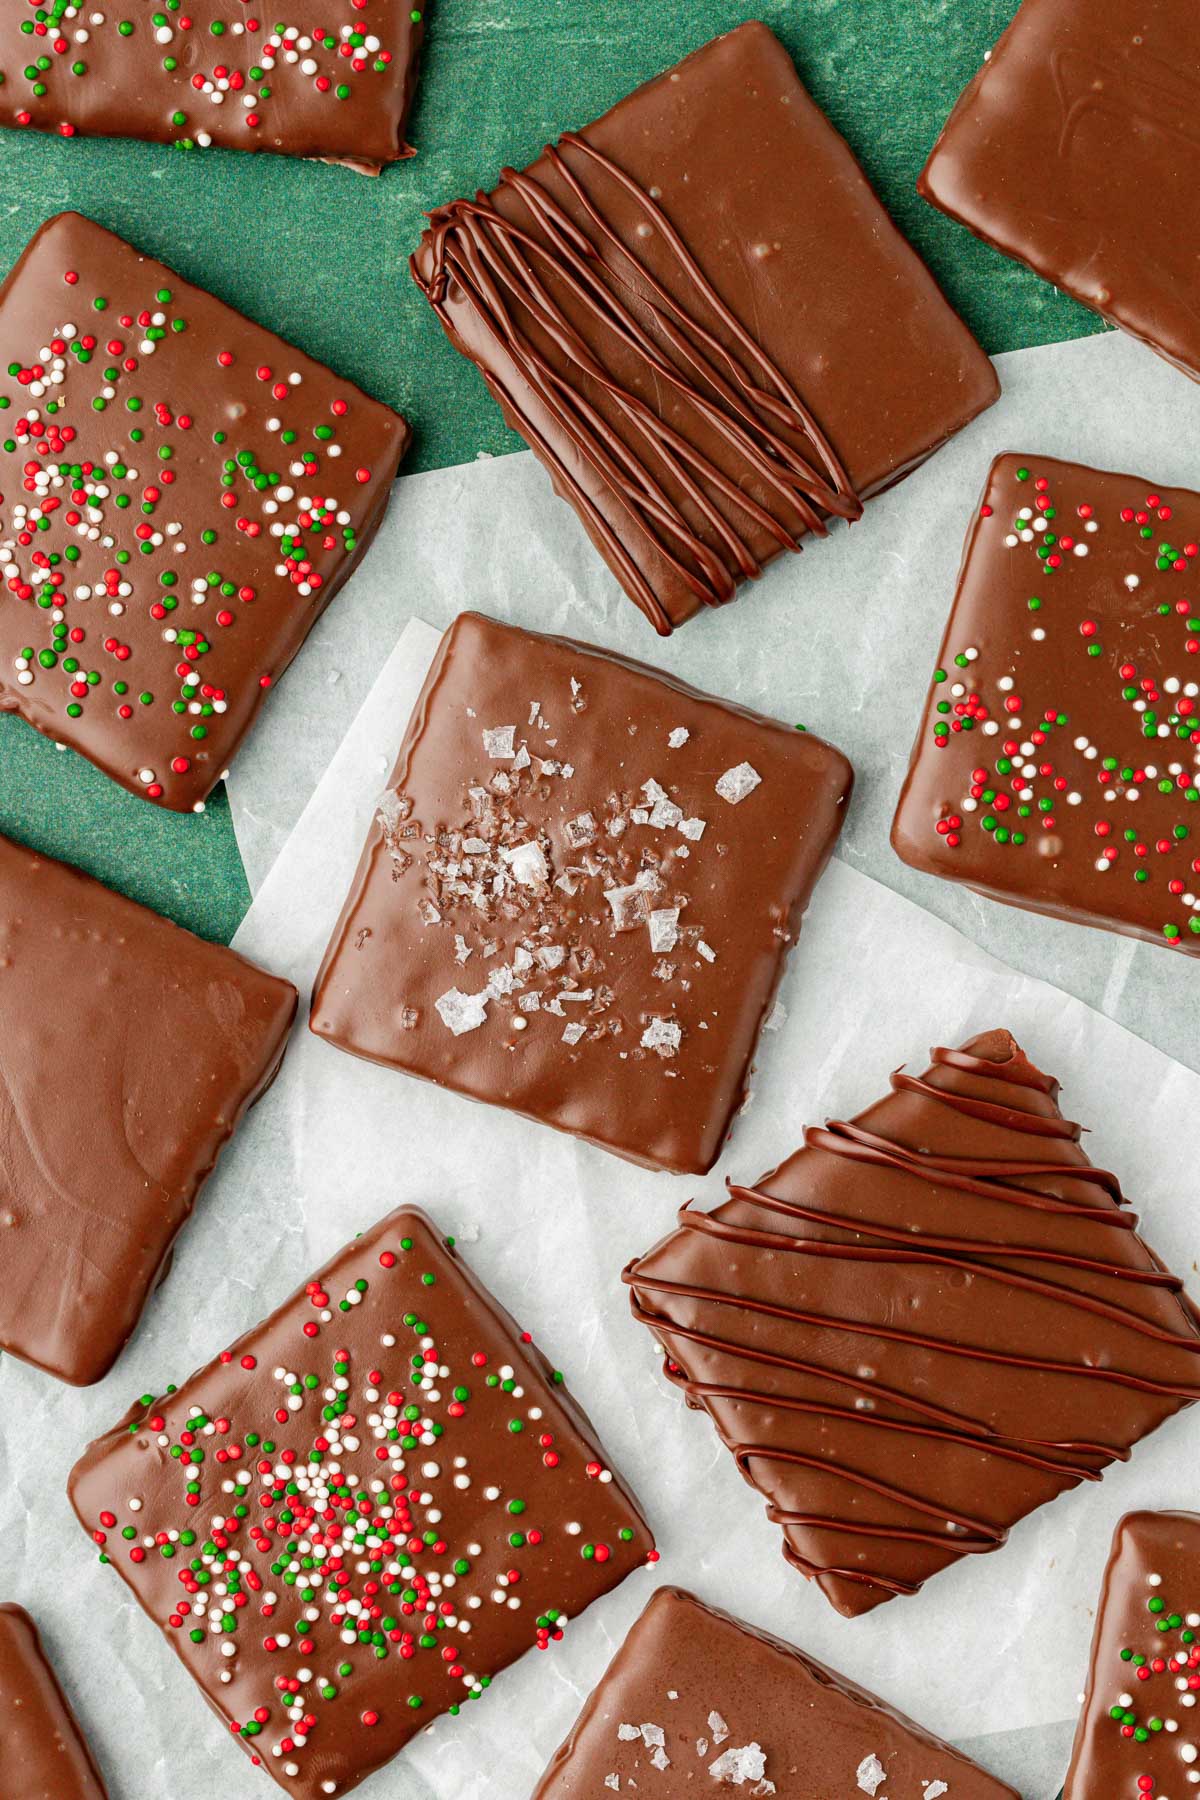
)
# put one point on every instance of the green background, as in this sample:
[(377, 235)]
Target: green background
[(319, 254)]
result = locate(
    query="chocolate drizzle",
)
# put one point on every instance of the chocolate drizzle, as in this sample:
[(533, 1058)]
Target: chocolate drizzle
[(533, 285), (801, 1316)]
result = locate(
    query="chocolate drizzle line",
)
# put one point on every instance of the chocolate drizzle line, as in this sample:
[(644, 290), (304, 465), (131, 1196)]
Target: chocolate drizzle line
[(509, 274), (863, 1240)]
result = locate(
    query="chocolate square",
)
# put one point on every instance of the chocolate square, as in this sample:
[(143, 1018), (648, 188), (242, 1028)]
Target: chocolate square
[(45, 1755), (362, 1511), (929, 1321), (181, 495), (1138, 1730), (334, 80), (711, 356), (131, 1051), (1075, 151), (1057, 765), (695, 1701), (577, 896)]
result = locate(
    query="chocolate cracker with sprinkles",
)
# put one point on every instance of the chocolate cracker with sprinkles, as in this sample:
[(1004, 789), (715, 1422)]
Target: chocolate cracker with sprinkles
[(1057, 764), (324, 78), (181, 495), (362, 1511)]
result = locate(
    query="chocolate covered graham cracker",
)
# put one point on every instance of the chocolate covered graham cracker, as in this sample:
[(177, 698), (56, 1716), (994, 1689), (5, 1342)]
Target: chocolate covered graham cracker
[(578, 892), (1057, 765), (712, 357), (181, 495), (362, 1511), (1075, 150), (131, 1051), (695, 1701), (43, 1753), (932, 1319), (332, 79), (1138, 1732)]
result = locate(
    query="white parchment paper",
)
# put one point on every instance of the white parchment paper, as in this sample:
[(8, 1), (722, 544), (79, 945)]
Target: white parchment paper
[(843, 637), (991, 1654)]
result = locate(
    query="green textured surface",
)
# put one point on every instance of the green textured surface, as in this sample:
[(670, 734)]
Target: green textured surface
[(319, 254)]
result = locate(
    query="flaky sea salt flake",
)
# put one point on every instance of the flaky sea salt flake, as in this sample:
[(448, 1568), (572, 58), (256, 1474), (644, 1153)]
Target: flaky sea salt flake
[(664, 929), (678, 738), (527, 863), (870, 1774), (735, 1767), (737, 782), (629, 906), (663, 1035), (500, 741), (462, 1012)]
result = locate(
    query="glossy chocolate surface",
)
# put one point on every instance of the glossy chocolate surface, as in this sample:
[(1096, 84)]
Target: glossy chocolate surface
[(181, 495), (335, 79), (578, 895), (1139, 1733), (43, 1754), (1057, 765), (131, 1051), (373, 1503), (711, 357), (1075, 150), (695, 1701), (929, 1321)]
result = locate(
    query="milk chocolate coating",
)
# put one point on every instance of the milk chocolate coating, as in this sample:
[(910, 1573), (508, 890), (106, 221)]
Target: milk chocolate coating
[(589, 929), (396, 1488), (711, 356), (927, 1322), (1075, 151), (43, 1753), (335, 80), (1139, 1733), (1056, 765), (181, 495), (131, 1051), (730, 1702)]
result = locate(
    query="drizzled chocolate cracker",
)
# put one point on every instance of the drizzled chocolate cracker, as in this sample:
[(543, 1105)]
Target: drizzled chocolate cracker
[(712, 358), (930, 1320)]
